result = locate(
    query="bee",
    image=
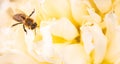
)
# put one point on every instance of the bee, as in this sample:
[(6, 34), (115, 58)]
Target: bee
[(28, 22)]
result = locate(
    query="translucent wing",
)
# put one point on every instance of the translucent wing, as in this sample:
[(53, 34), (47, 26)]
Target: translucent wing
[(12, 11), (19, 17)]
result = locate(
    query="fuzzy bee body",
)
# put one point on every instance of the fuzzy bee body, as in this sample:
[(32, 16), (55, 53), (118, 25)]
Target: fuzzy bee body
[(25, 20)]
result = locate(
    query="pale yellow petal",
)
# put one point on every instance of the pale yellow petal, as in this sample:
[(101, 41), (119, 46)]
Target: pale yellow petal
[(55, 8), (117, 61), (113, 34), (79, 10), (103, 5), (100, 42), (87, 39), (42, 50), (74, 54), (94, 15), (97, 40), (14, 56), (116, 8), (64, 28)]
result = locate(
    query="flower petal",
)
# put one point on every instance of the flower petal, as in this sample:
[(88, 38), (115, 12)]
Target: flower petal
[(64, 28), (103, 5), (87, 39), (79, 10), (100, 43), (75, 54), (113, 34)]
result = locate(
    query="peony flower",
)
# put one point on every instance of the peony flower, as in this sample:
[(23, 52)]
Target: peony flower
[(67, 32)]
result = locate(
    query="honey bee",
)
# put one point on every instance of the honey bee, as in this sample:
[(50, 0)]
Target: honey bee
[(28, 22)]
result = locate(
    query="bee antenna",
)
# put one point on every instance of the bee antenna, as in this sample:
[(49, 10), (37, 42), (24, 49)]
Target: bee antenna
[(32, 13)]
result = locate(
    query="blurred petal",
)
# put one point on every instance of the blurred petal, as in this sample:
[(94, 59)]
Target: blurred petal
[(64, 28), (117, 7), (13, 56), (94, 15), (74, 54), (47, 40), (103, 5), (100, 42), (117, 61), (53, 8), (113, 34), (87, 39), (91, 37), (42, 50), (79, 10)]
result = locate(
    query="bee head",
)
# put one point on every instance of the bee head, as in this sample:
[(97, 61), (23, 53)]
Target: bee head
[(33, 26)]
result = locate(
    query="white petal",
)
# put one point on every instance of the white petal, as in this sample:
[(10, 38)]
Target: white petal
[(87, 39), (94, 15), (113, 34), (93, 35), (13, 56), (79, 9), (100, 42), (103, 5), (64, 28), (74, 54)]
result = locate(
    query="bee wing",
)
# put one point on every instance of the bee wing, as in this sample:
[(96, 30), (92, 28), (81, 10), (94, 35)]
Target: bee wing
[(19, 17), (12, 11)]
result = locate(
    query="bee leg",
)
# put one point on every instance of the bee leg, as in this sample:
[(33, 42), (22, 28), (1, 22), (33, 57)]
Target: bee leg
[(24, 29), (32, 13), (15, 24)]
